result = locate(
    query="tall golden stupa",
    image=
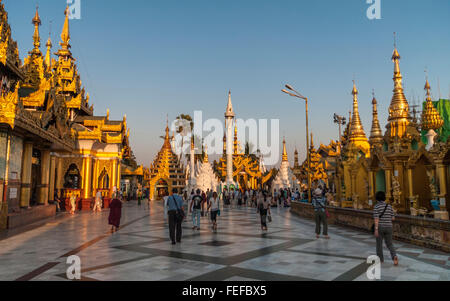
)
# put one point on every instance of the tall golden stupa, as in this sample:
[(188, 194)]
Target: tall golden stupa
[(397, 162), (166, 171)]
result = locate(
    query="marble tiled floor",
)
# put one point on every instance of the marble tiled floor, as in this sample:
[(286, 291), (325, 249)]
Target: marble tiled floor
[(141, 250)]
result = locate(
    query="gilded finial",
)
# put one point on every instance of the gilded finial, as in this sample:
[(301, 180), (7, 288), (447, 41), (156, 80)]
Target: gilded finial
[(229, 112), (399, 117), (284, 156), (49, 45), (431, 120), (356, 128), (107, 114), (376, 135), (36, 37), (65, 34), (206, 159)]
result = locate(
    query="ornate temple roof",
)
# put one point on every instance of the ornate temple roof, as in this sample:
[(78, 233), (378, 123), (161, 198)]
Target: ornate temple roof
[(166, 165), (431, 120), (9, 53)]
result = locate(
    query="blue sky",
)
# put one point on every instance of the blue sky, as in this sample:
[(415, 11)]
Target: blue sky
[(147, 58)]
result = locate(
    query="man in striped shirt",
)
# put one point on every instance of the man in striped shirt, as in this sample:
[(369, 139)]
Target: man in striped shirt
[(384, 215)]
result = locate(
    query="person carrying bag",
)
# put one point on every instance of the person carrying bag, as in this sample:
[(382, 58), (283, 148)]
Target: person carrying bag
[(176, 216)]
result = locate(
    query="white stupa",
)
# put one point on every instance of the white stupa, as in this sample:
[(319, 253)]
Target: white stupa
[(285, 177), (205, 177)]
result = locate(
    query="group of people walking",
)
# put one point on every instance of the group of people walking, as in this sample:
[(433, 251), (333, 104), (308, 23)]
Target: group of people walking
[(208, 204)]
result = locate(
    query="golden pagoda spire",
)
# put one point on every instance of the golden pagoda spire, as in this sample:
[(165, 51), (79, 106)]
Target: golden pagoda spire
[(167, 144), (399, 117), (356, 128), (376, 135), (431, 120), (285, 156), (65, 36), (205, 159), (48, 55), (36, 37)]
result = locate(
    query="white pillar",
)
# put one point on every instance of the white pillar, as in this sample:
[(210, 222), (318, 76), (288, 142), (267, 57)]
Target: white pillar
[(191, 166), (229, 125)]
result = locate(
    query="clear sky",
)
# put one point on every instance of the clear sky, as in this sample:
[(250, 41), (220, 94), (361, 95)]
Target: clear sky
[(147, 58)]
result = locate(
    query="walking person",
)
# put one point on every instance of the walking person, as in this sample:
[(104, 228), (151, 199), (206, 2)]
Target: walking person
[(57, 202), (383, 215), (320, 213), (115, 213), (263, 205), (176, 216), (98, 202), (166, 209), (185, 201), (214, 207), (203, 203), (196, 208), (73, 203)]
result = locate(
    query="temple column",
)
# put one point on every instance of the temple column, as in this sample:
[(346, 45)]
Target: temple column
[(45, 174), (86, 184), (113, 176), (353, 176), (25, 190), (59, 176), (388, 185), (372, 186), (441, 178), (95, 175), (119, 174), (51, 187), (411, 189), (347, 182)]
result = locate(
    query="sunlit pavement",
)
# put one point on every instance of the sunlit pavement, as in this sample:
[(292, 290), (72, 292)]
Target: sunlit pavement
[(141, 250)]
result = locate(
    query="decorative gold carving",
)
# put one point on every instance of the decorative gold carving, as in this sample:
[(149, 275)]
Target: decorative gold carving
[(8, 105)]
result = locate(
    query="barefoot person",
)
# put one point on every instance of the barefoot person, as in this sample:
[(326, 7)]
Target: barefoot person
[(383, 215), (98, 202), (196, 209), (115, 213), (263, 206), (320, 215), (214, 207), (176, 216), (73, 203)]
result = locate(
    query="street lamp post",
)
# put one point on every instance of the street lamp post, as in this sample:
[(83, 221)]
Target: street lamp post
[(340, 120), (294, 93)]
